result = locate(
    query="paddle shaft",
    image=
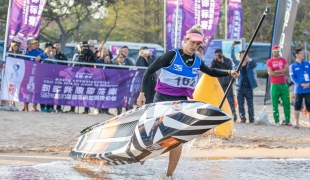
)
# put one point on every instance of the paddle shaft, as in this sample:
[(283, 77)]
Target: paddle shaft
[(267, 10)]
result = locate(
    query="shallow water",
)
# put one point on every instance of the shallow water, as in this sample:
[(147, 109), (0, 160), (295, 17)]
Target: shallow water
[(189, 169)]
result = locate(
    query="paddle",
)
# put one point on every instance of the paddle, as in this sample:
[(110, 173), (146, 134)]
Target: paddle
[(267, 10)]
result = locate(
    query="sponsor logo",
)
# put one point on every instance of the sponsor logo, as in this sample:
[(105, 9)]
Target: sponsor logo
[(196, 70), (287, 15), (168, 142), (177, 67)]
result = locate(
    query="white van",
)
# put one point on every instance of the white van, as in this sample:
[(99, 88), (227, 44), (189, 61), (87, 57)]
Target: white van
[(113, 45)]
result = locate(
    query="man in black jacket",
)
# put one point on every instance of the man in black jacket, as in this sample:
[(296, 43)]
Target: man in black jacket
[(221, 62), (59, 55)]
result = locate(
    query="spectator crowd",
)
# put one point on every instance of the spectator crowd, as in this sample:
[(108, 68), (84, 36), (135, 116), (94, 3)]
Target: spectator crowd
[(277, 68)]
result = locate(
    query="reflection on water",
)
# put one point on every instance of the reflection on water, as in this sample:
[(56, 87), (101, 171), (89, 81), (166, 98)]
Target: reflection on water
[(187, 169)]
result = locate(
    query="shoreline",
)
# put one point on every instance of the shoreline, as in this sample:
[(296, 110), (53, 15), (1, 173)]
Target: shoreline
[(29, 158)]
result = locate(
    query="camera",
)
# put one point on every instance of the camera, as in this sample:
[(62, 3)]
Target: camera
[(237, 42), (220, 56), (82, 49), (145, 51)]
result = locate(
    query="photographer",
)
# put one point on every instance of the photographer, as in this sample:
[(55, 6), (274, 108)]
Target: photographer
[(83, 54), (221, 62)]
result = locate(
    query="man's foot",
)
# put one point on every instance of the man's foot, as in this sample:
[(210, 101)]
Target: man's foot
[(277, 124), (243, 121), (296, 127), (59, 111), (165, 177), (51, 111), (13, 108), (5, 107), (71, 112), (304, 111), (289, 124), (283, 122), (107, 113)]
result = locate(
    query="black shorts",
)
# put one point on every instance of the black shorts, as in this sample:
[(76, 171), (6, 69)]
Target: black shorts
[(163, 97), (298, 101)]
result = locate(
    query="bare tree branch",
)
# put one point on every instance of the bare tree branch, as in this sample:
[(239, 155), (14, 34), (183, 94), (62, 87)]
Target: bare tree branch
[(114, 25)]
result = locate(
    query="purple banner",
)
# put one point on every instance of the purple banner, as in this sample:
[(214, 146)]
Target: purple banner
[(28, 81), (25, 20), (235, 23), (184, 15)]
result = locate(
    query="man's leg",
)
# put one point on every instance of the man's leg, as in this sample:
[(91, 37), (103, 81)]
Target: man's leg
[(297, 106), (275, 101), (240, 98), (249, 100), (174, 157), (285, 96), (307, 102), (35, 107), (26, 106), (296, 113)]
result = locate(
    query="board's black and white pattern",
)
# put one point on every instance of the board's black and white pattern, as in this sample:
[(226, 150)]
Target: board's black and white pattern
[(147, 132)]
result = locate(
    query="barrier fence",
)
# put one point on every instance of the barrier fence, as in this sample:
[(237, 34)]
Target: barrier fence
[(106, 86)]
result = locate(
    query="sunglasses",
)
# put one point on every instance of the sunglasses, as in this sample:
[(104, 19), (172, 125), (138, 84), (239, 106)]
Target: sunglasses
[(276, 51)]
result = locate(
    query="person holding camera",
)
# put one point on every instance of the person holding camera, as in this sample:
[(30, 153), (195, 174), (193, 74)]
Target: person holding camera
[(245, 83), (221, 62)]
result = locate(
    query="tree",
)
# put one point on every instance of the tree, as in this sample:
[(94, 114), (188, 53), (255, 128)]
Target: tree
[(137, 21), (3, 16), (76, 12)]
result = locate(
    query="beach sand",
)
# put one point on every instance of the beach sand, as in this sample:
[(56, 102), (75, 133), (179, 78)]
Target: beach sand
[(29, 138)]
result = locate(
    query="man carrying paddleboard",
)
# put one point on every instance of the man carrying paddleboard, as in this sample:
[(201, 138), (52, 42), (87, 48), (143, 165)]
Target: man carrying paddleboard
[(178, 78)]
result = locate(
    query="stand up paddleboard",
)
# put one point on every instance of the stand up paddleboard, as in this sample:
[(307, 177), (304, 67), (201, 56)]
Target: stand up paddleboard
[(146, 132)]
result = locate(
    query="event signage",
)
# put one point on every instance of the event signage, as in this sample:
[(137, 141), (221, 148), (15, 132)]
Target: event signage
[(181, 15), (235, 22), (25, 20), (28, 81)]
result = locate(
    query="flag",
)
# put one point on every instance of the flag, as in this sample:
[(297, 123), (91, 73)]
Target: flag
[(181, 15), (25, 20), (235, 22)]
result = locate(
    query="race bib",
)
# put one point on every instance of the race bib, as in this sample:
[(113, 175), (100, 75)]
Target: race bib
[(306, 76)]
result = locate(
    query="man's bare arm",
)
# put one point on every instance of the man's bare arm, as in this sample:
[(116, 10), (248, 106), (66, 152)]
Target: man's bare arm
[(285, 70), (274, 73)]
